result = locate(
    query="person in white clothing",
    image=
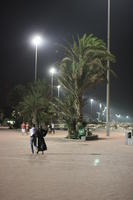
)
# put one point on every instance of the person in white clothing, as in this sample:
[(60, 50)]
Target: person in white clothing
[(52, 128), (33, 138)]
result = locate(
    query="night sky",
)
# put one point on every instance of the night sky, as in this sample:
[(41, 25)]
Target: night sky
[(58, 20)]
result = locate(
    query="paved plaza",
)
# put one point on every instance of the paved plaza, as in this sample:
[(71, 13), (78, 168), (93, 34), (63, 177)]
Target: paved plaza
[(68, 170)]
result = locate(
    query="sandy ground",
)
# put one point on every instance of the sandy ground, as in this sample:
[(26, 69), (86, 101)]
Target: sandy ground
[(69, 170)]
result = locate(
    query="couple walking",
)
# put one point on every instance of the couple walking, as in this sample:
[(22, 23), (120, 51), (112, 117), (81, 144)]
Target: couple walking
[(37, 139)]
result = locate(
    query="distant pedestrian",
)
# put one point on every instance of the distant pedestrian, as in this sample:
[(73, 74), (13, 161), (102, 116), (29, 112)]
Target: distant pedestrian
[(33, 138), (41, 133), (27, 127), (52, 128), (23, 127), (49, 128)]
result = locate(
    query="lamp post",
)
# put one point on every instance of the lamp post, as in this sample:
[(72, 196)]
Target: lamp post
[(118, 116), (58, 87), (108, 76), (91, 100), (52, 72), (127, 118), (100, 106), (36, 41)]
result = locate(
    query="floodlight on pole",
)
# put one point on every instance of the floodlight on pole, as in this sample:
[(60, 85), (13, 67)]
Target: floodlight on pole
[(58, 87), (36, 40), (108, 76), (52, 72), (100, 106), (91, 100), (127, 118)]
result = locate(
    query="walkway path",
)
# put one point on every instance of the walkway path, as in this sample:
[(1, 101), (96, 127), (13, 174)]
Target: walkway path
[(69, 170)]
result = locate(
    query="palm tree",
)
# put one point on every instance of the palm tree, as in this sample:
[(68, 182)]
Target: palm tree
[(35, 105), (67, 112), (84, 65)]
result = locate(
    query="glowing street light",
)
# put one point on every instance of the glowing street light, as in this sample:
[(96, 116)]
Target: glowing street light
[(118, 115), (58, 87), (36, 40), (100, 106), (91, 100), (127, 118), (52, 72)]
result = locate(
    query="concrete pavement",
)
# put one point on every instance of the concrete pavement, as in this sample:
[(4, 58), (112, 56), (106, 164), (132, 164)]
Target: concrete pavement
[(68, 170)]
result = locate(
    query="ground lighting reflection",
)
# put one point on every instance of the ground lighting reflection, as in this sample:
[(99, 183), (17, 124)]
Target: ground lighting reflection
[(96, 162)]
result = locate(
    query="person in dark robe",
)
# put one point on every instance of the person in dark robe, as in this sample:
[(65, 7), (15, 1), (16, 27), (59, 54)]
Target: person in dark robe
[(41, 133)]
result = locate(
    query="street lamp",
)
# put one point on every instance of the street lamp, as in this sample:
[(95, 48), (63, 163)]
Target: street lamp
[(100, 106), (118, 116), (108, 76), (52, 72), (91, 100), (58, 87), (36, 41), (127, 118)]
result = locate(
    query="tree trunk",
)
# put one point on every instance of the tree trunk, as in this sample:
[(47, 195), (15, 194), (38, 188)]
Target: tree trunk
[(34, 118), (79, 109), (72, 129)]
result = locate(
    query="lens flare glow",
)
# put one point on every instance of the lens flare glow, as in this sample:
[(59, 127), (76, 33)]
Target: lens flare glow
[(52, 70), (37, 40), (96, 162)]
